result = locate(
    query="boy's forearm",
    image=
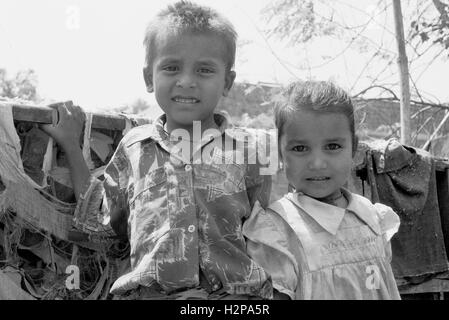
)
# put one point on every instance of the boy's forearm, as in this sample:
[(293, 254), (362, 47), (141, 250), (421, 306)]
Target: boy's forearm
[(79, 172)]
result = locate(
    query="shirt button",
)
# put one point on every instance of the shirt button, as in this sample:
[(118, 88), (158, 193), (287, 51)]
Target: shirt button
[(188, 167), (191, 228)]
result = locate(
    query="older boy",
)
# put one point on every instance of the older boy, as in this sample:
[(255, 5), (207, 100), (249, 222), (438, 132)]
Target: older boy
[(183, 218)]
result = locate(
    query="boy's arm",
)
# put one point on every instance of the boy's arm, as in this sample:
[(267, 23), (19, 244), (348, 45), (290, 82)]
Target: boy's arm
[(117, 174), (79, 172), (67, 134)]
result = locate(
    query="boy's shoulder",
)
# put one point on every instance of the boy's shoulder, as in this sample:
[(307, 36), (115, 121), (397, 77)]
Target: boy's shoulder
[(252, 137), (238, 132), (139, 133), (259, 149)]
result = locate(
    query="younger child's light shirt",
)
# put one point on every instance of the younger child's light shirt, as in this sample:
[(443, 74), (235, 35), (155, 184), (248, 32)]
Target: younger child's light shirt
[(314, 250)]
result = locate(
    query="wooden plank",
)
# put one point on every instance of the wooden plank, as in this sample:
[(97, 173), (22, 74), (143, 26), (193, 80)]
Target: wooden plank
[(43, 114), (434, 285)]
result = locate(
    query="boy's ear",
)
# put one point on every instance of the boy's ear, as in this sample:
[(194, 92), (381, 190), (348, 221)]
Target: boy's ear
[(148, 77), (229, 81)]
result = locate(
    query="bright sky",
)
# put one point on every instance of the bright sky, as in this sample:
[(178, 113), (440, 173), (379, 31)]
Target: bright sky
[(91, 51)]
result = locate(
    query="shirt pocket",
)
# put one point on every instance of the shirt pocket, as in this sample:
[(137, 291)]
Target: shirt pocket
[(148, 188), (148, 204), (225, 173), (220, 179)]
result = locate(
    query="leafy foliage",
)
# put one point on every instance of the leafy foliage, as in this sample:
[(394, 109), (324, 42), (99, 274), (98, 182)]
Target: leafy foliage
[(23, 85), (432, 26), (250, 99), (297, 21)]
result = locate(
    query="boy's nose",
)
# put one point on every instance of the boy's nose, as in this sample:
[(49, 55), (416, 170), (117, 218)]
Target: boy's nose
[(318, 163), (186, 81)]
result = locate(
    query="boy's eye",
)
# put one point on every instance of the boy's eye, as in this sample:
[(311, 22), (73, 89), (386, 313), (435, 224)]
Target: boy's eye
[(333, 146), (205, 70), (170, 68), (299, 148)]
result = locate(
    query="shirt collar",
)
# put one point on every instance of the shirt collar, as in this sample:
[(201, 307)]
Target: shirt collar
[(158, 133), (329, 217), (220, 119)]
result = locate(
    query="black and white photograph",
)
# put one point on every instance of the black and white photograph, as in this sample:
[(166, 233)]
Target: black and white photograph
[(240, 151)]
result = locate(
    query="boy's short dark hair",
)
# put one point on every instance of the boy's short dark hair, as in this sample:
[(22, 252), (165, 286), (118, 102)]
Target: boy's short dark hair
[(314, 96), (185, 16)]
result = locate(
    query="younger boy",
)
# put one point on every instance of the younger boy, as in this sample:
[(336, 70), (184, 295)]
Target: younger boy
[(183, 218)]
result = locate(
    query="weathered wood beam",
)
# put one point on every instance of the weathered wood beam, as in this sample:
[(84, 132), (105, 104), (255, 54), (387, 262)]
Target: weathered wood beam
[(43, 114)]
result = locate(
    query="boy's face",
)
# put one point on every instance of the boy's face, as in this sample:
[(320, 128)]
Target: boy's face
[(189, 77), (316, 149)]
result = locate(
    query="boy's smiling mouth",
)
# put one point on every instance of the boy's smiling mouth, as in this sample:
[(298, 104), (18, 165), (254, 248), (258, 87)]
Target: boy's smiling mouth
[(318, 178), (186, 100)]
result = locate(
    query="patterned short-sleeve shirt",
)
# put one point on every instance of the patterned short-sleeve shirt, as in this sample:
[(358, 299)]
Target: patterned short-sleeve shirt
[(183, 218)]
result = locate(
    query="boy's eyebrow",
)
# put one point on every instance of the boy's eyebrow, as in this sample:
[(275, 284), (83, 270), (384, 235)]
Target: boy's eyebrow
[(297, 141), (169, 59), (211, 62), (337, 139)]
